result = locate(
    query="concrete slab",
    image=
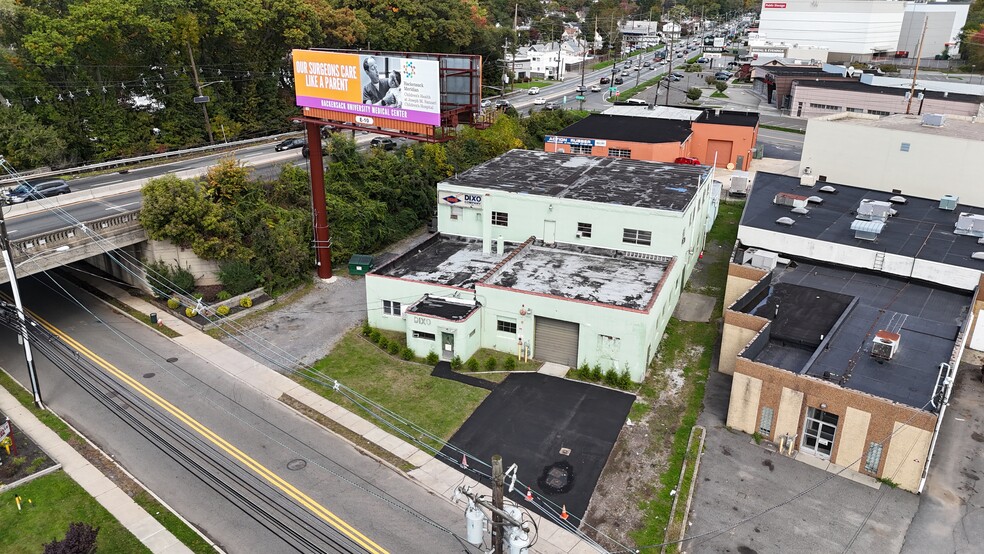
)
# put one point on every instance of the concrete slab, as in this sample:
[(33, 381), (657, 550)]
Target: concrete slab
[(694, 307), (555, 370), (420, 458), (375, 435), (92, 480)]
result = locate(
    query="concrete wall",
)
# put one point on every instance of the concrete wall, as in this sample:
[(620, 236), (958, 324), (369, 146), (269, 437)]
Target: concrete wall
[(815, 101), (887, 167), (739, 330), (205, 271), (790, 413), (945, 20), (905, 457), (741, 278), (743, 406)]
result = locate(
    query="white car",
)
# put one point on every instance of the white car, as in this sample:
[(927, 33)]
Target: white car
[(595, 88), (534, 90), (540, 101)]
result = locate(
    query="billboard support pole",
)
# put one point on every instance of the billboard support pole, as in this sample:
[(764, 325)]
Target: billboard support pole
[(322, 239)]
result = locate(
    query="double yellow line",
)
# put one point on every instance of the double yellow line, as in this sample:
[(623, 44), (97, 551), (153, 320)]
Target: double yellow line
[(272, 478)]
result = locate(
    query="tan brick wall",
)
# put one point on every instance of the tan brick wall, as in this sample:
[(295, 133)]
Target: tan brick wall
[(741, 278), (853, 428), (906, 456), (206, 272), (743, 409), (739, 329), (790, 412)]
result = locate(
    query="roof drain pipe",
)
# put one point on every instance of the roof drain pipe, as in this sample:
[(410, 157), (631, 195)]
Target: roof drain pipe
[(945, 401)]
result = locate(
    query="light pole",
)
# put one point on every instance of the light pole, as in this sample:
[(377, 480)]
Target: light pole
[(203, 100)]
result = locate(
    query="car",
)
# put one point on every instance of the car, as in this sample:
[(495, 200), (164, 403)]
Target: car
[(636, 102), (581, 88), (677, 74), (625, 73), (534, 90), (619, 80), (551, 106), (502, 104), (540, 101), (486, 103), (702, 60), (382, 142), (595, 88), (636, 68), (35, 189), (674, 78), (647, 63), (604, 80), (686, 161), (290, 143)]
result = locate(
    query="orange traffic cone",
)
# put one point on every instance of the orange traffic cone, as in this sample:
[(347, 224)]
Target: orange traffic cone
[(464, 461), (563, 513), (529, 495)]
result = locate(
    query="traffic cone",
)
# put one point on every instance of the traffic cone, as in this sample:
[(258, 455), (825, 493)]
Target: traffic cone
[(563, 513), (464, 461), (529, 495)]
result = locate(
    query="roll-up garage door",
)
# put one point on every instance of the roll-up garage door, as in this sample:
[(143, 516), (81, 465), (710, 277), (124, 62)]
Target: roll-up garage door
[(556, 341), (720, 148)]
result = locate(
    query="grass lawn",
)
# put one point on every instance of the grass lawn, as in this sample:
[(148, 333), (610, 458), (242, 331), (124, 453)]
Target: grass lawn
[(717, 94), (532, 84), (57, 501), (437, 405)]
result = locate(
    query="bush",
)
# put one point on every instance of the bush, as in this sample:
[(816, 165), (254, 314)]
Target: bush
[(223, 295), (471, 364), (375, 335), (611, 377), (509, 364), (246, 302), (596, 374), (583, 372), (366, 328), (173, 303), (79, 539), (432, 358), (456, 362), (237, 277), (393, 348), (165, 279), (710, 80), (222, 310), (190, 312), (16, 462), (407, 353), (624, 380), (383, 343), (721, 86)]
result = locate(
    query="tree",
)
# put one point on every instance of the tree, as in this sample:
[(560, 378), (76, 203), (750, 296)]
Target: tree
[(693, 94), (721, 86), (26, 142)]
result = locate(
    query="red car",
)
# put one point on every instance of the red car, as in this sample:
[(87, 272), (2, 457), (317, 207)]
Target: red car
[(686, 161)]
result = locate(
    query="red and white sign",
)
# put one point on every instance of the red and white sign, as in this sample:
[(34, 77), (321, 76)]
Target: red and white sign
[(4, 429), (778, 5)]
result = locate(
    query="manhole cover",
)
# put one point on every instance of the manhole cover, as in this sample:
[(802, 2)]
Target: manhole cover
[(565, 451), (556, 478), (297, 464), (172, 360), (148, 375)]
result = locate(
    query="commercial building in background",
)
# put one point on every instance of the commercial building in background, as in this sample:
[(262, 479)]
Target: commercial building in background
[(811, 98), (567, 259), (774, 83), (943, 20), (663, 134), (639, 34), (761, 49)]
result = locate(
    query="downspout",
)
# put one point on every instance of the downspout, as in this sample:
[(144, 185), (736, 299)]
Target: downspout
[(948, 383)]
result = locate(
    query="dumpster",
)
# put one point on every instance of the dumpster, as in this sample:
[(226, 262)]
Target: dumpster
[(360, 264)]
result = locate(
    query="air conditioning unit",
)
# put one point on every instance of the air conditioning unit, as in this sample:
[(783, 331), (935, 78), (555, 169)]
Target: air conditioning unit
[(885, 345)]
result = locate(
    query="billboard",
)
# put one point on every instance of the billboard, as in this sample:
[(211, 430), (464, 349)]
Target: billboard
[(369, 85)]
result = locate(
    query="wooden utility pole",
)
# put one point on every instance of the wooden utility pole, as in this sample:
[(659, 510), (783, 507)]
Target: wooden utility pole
[(915, 71), (498, 480), (198, 87), (512, 85)]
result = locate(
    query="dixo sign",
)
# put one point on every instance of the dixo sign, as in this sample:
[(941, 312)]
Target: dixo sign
[(458, 199), (417, 320)]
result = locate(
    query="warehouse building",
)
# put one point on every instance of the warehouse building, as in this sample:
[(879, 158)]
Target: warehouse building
[(567, 259), (812, 98)]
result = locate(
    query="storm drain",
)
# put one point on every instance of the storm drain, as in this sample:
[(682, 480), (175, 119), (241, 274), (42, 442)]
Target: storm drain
[(557, 478)]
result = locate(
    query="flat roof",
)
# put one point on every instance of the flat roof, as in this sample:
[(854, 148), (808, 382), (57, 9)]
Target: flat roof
[(953, 126), (599, 275), (595, 275), (653, 185), (657, 112), (629, 128), (443, 308), (919, 229), (858, 86), (927, 319)]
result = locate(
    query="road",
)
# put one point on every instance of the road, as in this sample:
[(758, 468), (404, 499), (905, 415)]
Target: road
[(373, 499), (782, 145)]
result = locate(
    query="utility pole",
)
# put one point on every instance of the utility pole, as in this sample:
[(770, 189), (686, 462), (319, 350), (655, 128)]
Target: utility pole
[(198, 87), (498, 480), (669, 64), (512, 86), (915, 71), (584, 54)]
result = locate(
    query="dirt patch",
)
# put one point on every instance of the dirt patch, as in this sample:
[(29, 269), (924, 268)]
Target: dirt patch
[(26, 458)]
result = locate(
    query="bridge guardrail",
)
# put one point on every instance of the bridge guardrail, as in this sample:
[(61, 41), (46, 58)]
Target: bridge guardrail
[(71, 235)]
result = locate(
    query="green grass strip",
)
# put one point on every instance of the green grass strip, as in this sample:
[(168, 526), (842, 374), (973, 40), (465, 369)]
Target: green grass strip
[(784, 129)]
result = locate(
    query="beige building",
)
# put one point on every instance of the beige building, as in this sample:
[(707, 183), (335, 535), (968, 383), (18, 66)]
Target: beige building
[(811, 98)]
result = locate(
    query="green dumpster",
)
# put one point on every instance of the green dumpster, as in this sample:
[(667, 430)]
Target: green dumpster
[(360, 264)]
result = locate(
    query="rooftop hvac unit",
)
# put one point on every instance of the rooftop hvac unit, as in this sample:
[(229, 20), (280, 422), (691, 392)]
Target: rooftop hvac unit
[(969, 224), (761, 259), (871, 210), (739, 185), (977, 256), (791, 200), (934, 120), (949, 202), (885, 345), (828, 189), (788, 221), (808, 180), (867, 230)]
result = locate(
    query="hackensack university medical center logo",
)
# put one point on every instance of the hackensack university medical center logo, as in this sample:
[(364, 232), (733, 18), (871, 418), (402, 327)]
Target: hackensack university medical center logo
[(409, 71)]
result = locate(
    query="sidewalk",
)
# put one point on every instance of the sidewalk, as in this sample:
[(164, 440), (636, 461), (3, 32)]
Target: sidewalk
[(435, 476)]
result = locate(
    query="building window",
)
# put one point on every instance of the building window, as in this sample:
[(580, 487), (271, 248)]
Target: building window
[(824, 107), (584, 230), (855, 110), (635, 236), (877, 112), (683, 240), (500, 218), (423, 335), (505, 326), (391, 308), (873, 459), (765, 424), (581, 149), (455, 212), (904, 147), (619, 153)]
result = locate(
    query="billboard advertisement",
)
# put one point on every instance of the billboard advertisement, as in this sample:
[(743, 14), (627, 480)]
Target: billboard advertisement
[(369, 85)]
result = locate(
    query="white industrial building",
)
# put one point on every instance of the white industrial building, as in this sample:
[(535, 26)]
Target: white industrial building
[(943, 20), (569, 259), (850, 30)]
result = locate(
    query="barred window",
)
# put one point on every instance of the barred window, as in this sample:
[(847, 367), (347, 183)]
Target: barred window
[(635, 236), (423, 335), (391, 308), (455, 212), (855, 110), (581, 149), (505, 326), (878, 112), (500, 218), (584, 229), (824, 106), (619, 153), (873, 459), (904, 147)]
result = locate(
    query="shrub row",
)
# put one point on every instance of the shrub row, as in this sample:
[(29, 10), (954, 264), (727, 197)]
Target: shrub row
[(390, 346), (611, 377)]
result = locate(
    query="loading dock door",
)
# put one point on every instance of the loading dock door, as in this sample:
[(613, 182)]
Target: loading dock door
[(556, 341), (721, 148)]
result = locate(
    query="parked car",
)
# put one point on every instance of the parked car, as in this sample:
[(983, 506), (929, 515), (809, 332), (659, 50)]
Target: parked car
[(382, 142), (721, 76), (290, 143), (595, 88), (540, 101), (676, 74), (534, 90), (38, 188), (686, 161), (674, 77), (605, 80), (551, 106), (702, 60)]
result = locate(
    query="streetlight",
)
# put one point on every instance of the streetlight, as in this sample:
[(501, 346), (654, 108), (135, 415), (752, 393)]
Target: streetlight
[(203, 100)]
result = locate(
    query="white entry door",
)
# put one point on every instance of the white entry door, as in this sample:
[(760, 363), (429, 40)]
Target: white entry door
[(549, 231)]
